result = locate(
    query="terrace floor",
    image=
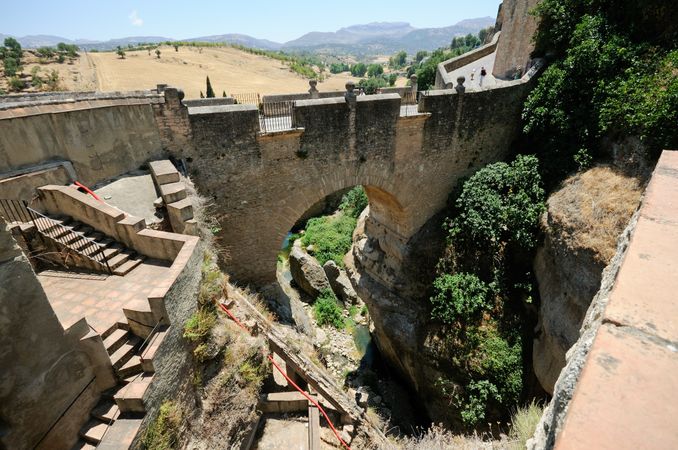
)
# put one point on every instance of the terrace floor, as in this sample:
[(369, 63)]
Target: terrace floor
[(100, 298)]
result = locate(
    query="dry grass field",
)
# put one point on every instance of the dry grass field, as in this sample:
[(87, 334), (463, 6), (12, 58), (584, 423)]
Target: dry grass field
[(229, 69)]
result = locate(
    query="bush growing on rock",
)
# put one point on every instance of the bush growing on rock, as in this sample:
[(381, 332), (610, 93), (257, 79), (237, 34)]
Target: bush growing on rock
[(459, 297), (354, 201), (331, 237), (327, 311)]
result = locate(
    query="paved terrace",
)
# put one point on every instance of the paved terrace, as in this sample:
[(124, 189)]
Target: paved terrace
[(627, 394), (101, 298)]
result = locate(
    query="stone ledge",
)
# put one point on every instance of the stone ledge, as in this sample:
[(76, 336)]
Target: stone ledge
[(618, 403)]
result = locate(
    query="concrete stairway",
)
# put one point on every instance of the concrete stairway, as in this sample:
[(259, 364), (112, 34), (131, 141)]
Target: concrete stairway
[(116, 418), (96, 251)]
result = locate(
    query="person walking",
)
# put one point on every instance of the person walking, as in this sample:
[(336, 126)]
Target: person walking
[(483, 73)]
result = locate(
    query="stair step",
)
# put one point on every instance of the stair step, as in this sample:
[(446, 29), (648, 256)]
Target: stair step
[(125, 352), (151, 349), (115, 340), (93, 431), (82, 244), (106, 411), (131, 367), (118, 260), (130, 398), (127, 266), (82, 445), (112, 251), (121, 434)]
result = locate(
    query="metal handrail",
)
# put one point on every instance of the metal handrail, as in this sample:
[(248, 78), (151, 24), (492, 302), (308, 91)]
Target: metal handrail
[(57, 232)]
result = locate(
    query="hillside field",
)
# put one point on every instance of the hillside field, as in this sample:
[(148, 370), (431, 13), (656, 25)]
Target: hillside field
[(229, 69)]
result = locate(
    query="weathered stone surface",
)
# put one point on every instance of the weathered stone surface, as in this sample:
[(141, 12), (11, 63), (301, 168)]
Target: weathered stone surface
[(307, 272), (340, 283), (579, 240)]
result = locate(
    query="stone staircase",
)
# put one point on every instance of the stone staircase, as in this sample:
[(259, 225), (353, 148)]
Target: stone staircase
[(93, 249), (115, 420)]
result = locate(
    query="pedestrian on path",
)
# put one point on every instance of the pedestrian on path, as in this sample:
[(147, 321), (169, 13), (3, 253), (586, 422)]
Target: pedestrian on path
[(473, 73), (483, 73)]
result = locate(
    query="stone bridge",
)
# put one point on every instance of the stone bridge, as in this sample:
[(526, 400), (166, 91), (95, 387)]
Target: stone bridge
[(262, 183)]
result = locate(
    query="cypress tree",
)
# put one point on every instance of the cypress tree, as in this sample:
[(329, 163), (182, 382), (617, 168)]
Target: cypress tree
[(202, 95), (224, 94), (210, 91)]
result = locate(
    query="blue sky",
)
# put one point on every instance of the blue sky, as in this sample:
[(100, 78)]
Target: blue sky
[(267, 19)]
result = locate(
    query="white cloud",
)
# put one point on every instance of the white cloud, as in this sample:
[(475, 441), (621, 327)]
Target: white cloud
[(135, 19)]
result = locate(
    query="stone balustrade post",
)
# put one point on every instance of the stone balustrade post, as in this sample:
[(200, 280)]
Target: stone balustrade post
[(460, 88), (313, 90)]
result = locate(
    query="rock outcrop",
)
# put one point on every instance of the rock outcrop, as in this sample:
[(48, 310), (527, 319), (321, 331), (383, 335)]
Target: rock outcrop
[(306, 272), (340, 283), (581, 225)]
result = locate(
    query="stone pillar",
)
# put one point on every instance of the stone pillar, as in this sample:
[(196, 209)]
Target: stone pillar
[(460, 88), (313, 90)]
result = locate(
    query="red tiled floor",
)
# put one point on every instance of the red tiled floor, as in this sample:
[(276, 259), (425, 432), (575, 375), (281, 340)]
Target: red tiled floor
[(100, 298)]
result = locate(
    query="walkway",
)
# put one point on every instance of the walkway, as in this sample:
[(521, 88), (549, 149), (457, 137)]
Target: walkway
[(489, 81), (100, 298)]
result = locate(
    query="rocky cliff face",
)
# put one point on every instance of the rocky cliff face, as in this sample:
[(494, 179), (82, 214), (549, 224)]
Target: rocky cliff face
[(396, 290), (583, 220)]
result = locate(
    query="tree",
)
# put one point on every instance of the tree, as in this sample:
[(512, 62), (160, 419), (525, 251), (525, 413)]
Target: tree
[(157, 52), (202, 95), (13, 49), (374, 70), (392, 77), (45, 52), (398, 60), (359, 70), (421, 54), (176, 47), (121, 52), (224, 94), (209, 91)]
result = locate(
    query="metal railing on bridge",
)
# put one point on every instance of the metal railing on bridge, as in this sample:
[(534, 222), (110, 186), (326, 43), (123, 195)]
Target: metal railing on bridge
[(276, 116), (273, 116)]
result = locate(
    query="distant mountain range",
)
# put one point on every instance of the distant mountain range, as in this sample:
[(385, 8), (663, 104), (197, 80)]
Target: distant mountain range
[(372, 38)]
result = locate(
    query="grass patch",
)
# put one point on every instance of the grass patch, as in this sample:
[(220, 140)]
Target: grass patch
[(163, 432), (327, 311), (593, 208), (198, 326), (523, 424)]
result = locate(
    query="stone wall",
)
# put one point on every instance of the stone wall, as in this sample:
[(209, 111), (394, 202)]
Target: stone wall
[(444, 81), (101, 141), (515, 45), (43, 373)]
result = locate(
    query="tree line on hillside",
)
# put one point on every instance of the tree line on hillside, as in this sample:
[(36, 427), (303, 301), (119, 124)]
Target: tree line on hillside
[(12, 55)]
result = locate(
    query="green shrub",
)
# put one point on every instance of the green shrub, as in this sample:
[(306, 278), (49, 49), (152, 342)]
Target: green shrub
[(459, 297), (327, 311), (331, 237), (372, 84), (354, 201), (198, 326), (374, 70), (16, 84), (11, 66), (479, 394), (500, 204), (163, 432)]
